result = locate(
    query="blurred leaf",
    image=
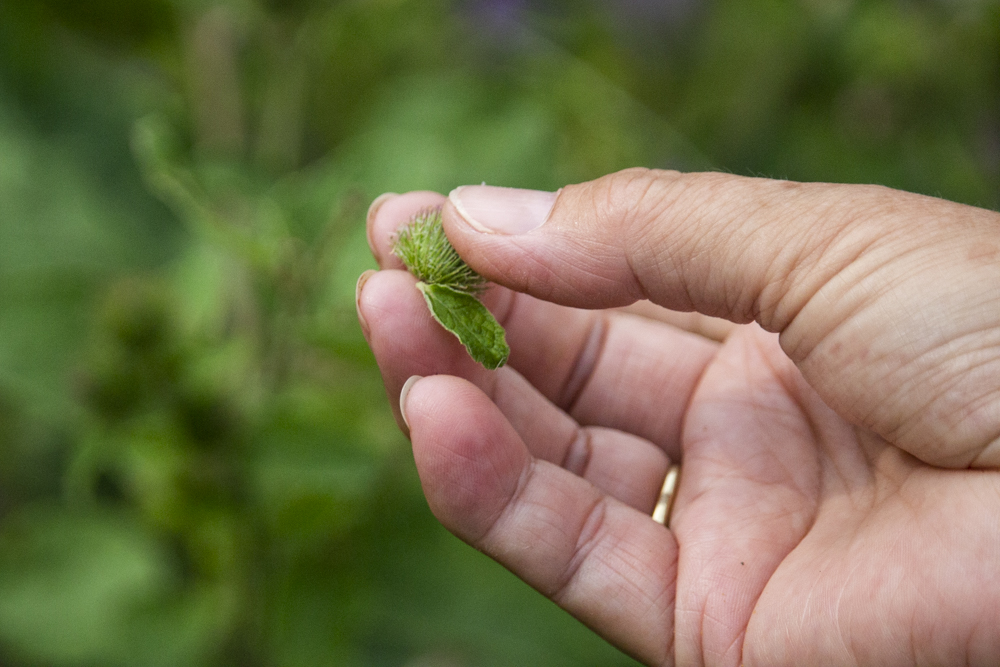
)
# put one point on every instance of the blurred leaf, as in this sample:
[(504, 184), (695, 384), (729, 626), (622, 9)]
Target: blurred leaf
[(79, 589), (314, 470), (61, 236)]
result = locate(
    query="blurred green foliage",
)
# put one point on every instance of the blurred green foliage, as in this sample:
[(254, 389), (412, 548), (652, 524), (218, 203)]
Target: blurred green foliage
[(197, 462)]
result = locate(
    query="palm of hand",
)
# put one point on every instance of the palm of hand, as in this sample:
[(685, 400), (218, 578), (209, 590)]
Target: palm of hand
[(806, 541), (795, 538)]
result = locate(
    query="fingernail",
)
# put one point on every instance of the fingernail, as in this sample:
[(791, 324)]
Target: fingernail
[(402, 396), (370, 217), (502, 210), (362, 279)]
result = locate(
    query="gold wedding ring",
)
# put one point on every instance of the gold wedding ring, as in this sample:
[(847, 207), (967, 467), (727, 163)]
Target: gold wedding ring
[(666, 502)]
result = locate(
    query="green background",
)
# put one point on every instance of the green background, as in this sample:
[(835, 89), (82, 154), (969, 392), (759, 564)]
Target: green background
[(198, 465)]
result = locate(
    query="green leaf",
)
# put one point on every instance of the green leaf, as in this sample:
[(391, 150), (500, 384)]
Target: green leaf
[(463, 315)]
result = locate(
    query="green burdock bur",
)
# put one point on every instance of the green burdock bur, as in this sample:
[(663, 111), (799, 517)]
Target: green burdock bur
[(450, 288)]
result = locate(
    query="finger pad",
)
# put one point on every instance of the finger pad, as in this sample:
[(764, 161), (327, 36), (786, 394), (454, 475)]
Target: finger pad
[(469, 458), (404, 336)]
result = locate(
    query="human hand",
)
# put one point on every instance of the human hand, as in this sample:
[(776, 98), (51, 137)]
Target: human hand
[(840, 493)]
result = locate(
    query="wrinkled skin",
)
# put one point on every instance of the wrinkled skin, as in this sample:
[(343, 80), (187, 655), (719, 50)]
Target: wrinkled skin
[(835, 409)]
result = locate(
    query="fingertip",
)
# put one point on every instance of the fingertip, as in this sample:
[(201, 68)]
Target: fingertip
[(382, 294), (469, 458), (404, 336)]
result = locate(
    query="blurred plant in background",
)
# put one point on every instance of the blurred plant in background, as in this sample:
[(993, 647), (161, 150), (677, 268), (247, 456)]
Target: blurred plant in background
[(197, 463)]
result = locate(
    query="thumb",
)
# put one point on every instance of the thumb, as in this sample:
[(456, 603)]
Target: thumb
[(889, 302)]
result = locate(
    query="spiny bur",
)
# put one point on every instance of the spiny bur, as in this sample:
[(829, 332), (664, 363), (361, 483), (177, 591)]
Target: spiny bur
[(450, 288), (427, 253)]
